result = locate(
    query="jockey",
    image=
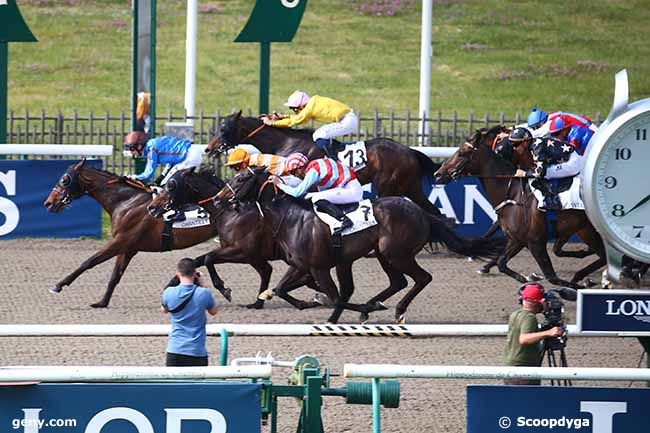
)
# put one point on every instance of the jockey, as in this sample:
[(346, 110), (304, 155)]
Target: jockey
[(556, 158), (239, 159), (519, 136), (339, 119), (173, 153), (336, 183)]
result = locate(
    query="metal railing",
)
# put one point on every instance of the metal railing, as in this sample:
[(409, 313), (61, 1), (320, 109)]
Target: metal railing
[(442, 129)]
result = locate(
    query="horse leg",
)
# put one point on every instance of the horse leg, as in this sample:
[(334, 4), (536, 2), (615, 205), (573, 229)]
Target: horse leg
[(594, 242), (264, 269), (485, 269), (512, 249), (121, 264), (288, 282), (108, 252), (559, 252), (220, 255), (538, 250), (397, 282), (422, 278), (346, 284), (325, 282)]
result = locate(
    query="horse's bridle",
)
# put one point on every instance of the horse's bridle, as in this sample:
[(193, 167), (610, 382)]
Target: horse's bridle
[(465, 160)]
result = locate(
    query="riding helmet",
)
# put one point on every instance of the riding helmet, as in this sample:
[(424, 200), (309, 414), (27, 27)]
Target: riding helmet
[(537, 118)]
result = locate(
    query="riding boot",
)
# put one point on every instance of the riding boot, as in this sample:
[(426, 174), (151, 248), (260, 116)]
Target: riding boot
[(328, 146), (331, 209), (551, 199), (174, 215)]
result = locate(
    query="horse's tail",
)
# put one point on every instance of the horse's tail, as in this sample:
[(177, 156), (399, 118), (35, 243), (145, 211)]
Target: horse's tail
[(483, 248)]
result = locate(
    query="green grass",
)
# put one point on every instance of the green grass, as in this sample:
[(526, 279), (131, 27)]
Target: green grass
[(488, 56)]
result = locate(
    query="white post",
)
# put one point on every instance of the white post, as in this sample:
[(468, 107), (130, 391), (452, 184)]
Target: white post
[(425, 66), (190, 56)]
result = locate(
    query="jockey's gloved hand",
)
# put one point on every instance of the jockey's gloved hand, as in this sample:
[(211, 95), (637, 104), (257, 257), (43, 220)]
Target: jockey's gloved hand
[(159, 179), (131, 177)]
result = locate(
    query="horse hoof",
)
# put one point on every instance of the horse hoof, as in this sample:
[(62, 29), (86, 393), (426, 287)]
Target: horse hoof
[(401, 319), (227, 293), (535, 277), (99, 305), (266, 295), (257, 305), (483, 271), (56, 289), (377, 306), (590, 283), (323, 300), (363, 318)]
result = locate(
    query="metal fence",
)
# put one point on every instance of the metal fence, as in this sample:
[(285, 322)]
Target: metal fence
[(444, 129)]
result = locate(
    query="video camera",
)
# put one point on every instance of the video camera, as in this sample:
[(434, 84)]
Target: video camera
[(554, 316)]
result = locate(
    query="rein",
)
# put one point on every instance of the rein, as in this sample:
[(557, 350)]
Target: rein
[(255, 131), (134, 184)]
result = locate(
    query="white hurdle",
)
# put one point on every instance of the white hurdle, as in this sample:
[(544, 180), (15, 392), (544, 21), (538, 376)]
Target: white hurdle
[(385, 371), (56, 149), (271, 330), (129, 374)]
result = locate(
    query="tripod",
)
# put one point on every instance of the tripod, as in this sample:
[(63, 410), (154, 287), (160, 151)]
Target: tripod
[(550, 348)]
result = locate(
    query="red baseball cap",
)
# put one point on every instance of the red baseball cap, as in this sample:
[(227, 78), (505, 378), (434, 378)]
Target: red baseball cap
[(533, 293)]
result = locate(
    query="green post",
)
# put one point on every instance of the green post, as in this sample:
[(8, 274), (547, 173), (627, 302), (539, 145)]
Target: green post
[(152, 101), (265, 75), (134, 59), (376, 406), (223, 358), (4, 62), (645, 342), (12, 29), (313, 402)]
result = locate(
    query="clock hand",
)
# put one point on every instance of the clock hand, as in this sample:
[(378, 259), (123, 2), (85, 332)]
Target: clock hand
[(639, 204)]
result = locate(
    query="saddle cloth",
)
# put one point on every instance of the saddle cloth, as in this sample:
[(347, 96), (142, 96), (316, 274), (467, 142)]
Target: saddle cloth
[(361, 214), (354, 155), (195, 216), (570, 198)]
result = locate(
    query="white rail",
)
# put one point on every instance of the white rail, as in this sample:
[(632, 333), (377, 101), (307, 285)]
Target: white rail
[(491, 372), (436, 152), (56, 149), (129, 374), (270, 330)]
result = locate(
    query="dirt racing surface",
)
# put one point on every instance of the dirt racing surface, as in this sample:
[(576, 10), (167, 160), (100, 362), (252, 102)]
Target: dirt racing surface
[(457, 295)]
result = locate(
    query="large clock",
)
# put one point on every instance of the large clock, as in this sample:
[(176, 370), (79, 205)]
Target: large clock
[(616, 179)]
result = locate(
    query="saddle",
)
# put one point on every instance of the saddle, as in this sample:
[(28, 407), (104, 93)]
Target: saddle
[(568, 190), (347, 208), (361, 214)]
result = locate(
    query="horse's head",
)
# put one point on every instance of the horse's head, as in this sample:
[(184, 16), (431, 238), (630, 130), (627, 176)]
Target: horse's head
[(466, 161), (66, 189), (247, 185), (174, 194), (226, 136)]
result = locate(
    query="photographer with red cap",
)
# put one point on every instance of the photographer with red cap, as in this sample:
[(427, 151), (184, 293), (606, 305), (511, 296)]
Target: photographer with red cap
[(524, 346)]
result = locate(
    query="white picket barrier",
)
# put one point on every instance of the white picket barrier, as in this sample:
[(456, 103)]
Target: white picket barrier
[(129, 374), (56, 149), (270, 330), (436, 151)]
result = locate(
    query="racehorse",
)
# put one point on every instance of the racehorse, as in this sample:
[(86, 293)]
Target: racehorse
[(516, 207), (393, 169), (133, 229), (244, 236), (402, 230)]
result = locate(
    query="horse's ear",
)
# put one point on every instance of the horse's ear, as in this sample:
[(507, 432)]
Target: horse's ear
[(80, 164), (238, 115)]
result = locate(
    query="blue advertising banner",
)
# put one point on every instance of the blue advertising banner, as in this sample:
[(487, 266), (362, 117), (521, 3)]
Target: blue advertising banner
[(616, 311), (465, 200), (208, 407), (24, 186), (499, 409)]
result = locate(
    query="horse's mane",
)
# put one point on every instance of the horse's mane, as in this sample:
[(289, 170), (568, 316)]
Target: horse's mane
[(209, 175), (257, 122)]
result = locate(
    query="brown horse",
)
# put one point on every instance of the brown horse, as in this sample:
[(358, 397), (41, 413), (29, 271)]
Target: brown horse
[(133, 229), (401, 232), (393, 169), (519, 218), (244, 235)]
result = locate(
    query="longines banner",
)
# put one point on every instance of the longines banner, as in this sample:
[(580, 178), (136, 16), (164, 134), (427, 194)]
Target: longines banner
[(518, 409), (24, 186), (616, 311), (216, 407)]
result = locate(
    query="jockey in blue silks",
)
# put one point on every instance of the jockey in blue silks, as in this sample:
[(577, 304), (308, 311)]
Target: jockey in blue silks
[(173, 153)]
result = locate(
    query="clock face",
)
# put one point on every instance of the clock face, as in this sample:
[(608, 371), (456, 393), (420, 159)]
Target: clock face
[(622, 190)]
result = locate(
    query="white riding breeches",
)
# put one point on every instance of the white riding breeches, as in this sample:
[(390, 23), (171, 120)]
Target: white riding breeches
[(350, 193), (347, 125), (193, 158)]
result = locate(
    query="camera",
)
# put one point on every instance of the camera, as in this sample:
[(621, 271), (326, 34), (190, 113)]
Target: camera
[(197, 275), (554, 316)]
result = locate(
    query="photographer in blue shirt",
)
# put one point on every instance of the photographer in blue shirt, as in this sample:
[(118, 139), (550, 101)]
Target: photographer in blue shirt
[(187, 304)]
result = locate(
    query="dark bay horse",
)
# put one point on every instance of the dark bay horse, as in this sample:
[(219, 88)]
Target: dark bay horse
[(393, 169), (133, 229), (518, 215), (402, 231), (244, 235)]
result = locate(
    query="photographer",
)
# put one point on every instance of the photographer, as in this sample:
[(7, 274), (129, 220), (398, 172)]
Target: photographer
[(187, 304), (524, 346)]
